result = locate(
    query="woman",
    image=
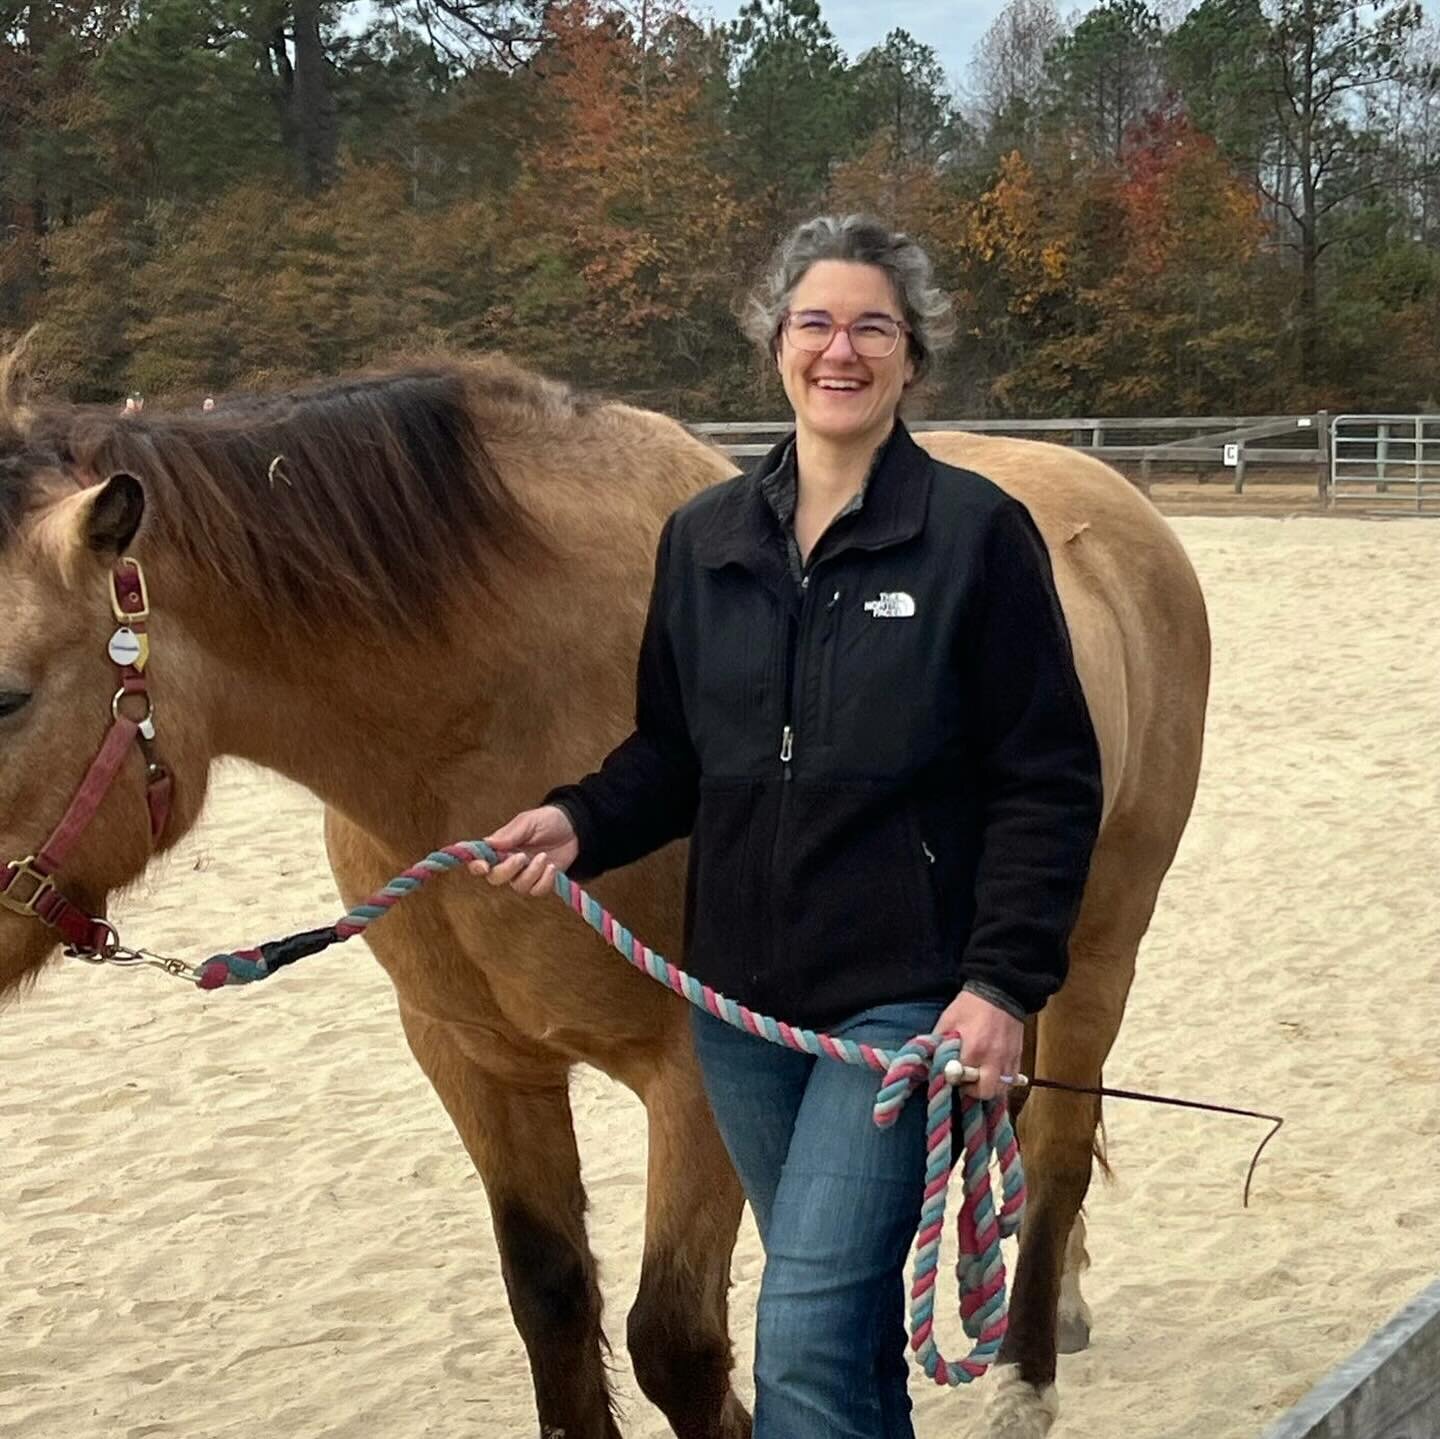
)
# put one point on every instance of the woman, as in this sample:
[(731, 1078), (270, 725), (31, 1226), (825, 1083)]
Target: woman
[(856, 695)]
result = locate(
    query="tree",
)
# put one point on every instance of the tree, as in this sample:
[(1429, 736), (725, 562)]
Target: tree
[(503, 33), (899, 89), (1181, 314), (183, 108), (792, 112), (628, 281), (1106, 73), (1007, 73), (1321, 56), (1216, 59)]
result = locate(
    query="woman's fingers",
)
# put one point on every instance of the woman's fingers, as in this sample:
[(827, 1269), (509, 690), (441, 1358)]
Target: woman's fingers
[(526, 874), (545, 880)]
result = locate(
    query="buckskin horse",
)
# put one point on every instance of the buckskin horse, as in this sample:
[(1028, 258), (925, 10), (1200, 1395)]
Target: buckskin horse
[(419, 592)]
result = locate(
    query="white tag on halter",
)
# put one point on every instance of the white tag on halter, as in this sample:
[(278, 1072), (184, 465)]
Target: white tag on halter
[(147, 728), (126, 648)]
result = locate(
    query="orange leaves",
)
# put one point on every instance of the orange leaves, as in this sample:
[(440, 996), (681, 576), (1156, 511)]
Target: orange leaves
[(1124, 287), (618, 183), (1019, 229), (1183, 204)]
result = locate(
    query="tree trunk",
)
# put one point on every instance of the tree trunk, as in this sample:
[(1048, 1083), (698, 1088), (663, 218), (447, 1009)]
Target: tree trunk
[(312, 103)]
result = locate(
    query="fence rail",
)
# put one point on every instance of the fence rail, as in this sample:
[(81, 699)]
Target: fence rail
[(1205, 442), (1387, 1389)]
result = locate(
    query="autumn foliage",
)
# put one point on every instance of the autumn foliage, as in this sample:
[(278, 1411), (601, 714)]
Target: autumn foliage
[(194, 198)]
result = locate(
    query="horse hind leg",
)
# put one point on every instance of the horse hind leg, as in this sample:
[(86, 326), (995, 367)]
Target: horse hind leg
[(1073, 1317), (678, 1331), (520, 1137), (1057, 1135)]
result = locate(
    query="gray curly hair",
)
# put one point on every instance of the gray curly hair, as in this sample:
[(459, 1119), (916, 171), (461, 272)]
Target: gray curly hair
[(863, 240)]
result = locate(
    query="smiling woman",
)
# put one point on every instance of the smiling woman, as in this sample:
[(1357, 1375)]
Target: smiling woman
[(857, 696)]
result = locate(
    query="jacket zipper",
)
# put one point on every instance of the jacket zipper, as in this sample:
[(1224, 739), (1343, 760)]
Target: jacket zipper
[(794, 645)]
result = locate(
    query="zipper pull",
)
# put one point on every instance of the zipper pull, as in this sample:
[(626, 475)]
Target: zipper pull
[(787, 745)]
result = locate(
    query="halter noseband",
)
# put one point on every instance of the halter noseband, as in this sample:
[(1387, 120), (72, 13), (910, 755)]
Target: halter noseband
[(26, 885)]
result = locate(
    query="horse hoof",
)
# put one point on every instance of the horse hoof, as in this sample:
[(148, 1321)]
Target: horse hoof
[(1072, 1330), (1015, 1409)]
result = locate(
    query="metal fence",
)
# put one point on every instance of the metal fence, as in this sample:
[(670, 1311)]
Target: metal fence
[(1386, 462), (1138, 446)]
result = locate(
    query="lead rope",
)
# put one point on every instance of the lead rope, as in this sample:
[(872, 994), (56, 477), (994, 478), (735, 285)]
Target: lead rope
[(986, 1132)]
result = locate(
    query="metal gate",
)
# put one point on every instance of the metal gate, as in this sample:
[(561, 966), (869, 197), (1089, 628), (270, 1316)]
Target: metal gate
[(1386, 463)]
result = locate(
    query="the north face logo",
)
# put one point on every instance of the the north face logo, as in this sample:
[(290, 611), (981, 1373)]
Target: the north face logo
[(896, 606)]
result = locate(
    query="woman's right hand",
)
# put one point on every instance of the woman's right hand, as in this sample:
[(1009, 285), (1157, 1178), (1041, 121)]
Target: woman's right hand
[(534, 845)]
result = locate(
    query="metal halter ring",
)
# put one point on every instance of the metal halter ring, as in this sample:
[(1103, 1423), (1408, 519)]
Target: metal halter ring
[(148, 718), (109, 946)]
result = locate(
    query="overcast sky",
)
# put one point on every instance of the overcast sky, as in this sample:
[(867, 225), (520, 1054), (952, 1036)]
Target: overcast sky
[(949, 27)]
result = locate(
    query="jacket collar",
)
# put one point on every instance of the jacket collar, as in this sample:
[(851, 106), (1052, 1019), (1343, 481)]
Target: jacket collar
[(743, 528)]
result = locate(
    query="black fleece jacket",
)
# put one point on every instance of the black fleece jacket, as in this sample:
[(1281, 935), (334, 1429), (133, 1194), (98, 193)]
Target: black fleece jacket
[(888, 774)]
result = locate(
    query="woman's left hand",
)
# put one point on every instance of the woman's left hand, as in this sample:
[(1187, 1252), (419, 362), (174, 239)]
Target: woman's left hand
[(992, 1041)]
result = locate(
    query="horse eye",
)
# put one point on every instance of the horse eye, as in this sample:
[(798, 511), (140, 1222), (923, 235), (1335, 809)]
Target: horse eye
[(11, 701)]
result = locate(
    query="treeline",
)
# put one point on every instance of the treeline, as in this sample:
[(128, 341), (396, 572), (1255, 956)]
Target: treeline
[(1234, 208)]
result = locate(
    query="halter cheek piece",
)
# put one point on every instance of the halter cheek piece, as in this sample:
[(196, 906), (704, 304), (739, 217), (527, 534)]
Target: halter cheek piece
[(26, 885)]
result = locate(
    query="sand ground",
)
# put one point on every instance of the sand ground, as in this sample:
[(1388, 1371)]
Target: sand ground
[(246, 1214)]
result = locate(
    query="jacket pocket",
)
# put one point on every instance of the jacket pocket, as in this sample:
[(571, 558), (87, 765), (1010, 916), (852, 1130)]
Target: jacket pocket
[(854, 892), (929, 882)]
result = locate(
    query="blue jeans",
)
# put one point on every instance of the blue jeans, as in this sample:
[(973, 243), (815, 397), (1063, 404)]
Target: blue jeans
[(836, 1201)]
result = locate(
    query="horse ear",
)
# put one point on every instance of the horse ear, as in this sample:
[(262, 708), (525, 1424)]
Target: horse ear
[(114, 514)]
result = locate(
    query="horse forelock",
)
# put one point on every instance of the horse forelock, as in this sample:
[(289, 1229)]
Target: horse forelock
[(362, 497)]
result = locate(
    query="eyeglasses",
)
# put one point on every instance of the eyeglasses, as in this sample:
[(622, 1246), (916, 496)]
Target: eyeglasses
[(872, 336)]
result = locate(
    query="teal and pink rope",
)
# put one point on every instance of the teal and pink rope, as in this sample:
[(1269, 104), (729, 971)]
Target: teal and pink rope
[(986, 1133)]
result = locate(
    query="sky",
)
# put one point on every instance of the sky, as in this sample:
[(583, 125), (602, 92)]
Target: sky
[(951, 28)]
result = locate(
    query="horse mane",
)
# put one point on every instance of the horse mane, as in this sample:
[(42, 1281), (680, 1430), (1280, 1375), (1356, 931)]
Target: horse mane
[(367, 493)]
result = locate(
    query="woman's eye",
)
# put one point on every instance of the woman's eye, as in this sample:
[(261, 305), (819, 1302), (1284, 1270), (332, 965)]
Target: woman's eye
[(814, 323), (11, 701), (872, 328)]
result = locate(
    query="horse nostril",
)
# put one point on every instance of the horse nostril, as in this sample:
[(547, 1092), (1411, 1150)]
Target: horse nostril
[(13, 700)]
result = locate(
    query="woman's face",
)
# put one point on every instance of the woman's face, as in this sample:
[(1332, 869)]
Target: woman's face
[(837, 393)]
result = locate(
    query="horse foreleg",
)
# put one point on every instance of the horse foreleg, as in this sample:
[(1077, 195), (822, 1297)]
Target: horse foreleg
[(518, 1132), (678, 1333)]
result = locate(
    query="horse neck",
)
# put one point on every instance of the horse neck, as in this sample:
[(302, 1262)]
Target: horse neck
[(415, 737), (478, 711), (358, 719)]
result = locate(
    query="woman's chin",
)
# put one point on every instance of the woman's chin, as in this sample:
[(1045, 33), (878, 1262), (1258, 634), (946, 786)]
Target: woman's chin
[(832, 423)]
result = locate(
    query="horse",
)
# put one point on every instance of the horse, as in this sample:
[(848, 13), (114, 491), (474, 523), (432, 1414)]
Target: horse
[(418, 591)]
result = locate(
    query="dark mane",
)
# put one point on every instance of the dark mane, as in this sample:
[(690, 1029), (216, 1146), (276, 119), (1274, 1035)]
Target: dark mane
[(368, 492)]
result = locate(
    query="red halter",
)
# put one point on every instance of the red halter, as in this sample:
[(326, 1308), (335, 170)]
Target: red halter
[(26, 886)]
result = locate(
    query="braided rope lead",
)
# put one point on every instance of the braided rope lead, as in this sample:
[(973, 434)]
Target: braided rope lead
[(986, 1132)]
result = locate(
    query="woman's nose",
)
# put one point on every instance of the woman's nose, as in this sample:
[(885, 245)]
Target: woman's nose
[(840, 347)]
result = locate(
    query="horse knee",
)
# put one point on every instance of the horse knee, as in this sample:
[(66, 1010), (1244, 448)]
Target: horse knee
[(681, 1355), (551, 1280)]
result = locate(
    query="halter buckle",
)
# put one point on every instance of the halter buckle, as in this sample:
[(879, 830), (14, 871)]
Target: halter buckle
[(24, 869), (117, 593)]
